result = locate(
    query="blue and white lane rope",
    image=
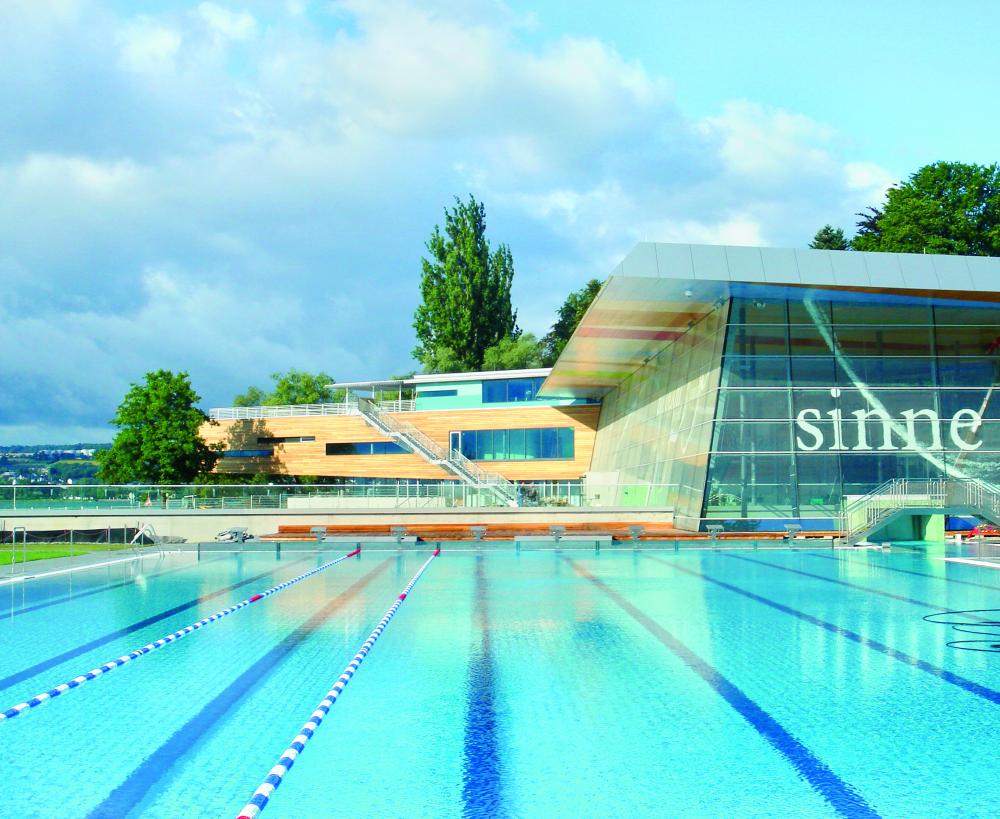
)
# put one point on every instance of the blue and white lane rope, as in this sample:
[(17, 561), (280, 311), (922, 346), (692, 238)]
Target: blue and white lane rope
[(76, 682), (261, 796)]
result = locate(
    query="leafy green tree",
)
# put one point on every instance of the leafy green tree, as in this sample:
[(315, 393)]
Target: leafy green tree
[(946, 207), (829, 238), (514, 353), (159, 434), (253, 397), (465, 290), (293, 387), (567, 319)]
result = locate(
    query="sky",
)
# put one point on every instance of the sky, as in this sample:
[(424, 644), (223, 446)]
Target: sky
[(238, 188)]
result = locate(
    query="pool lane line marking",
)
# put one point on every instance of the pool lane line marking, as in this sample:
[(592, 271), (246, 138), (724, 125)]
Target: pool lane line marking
[(481, 769), (837, 581), (915, 573), (277, 774), (111, 636), (22, 577), (968, 561), (74, 596), (934, 607), (987, 693), (126, 798), (840, 795), (107, 667)]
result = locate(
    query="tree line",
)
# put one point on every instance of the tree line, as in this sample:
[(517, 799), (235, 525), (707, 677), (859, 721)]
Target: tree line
[(944, 207), (466, 320)]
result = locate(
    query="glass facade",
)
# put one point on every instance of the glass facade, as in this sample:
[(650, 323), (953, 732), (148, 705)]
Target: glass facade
[(511, 389), (367, 448), (656, 428), (826, 396), (514, 444)]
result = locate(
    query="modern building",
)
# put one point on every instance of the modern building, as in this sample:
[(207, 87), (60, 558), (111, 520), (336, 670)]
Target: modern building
[(755, 387)]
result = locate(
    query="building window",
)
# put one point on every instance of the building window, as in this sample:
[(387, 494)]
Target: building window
[(515, 444), (248, 453), (511, 389), (437, 393), (366, 448), (287, 439)]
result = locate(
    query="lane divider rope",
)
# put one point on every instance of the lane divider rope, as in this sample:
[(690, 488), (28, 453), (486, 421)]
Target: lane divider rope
[(261, 796), (76, 682)]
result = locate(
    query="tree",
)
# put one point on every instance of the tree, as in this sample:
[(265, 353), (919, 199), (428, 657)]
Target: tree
[(293, 387), (946, 207), (829, 238), (253, 397), (465, 290), (513, 353), (567, 319), (159, 434)]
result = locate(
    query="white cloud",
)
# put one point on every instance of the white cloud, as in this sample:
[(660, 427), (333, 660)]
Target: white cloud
[(245, 194), (770, 144), (148, 47), (231, 25)]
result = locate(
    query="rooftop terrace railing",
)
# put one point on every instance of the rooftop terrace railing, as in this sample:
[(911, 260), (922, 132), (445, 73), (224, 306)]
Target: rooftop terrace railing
[(303, 410)]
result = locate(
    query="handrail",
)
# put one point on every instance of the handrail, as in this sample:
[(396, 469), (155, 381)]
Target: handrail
[(297, 410), (863, 515), (470, 472)]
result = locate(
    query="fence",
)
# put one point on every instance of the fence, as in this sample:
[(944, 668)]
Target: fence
[(404, 494)]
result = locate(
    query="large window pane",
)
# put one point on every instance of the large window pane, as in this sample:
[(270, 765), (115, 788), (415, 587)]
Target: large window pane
[(751, 404), (758, 311), (566, 442), (818, 372), (752, 436), (484, 445), (968, 372), (884, 341), (749, 371), (515, 444), (532, 443), (760, 339), (550, 446)]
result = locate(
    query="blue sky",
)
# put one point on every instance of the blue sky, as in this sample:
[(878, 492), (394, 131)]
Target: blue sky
[(236, 188)]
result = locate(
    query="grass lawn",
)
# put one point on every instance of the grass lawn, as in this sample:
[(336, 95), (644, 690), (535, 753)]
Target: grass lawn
[(42, 551)]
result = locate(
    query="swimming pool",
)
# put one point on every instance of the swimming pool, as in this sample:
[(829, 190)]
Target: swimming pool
[(540, 683)]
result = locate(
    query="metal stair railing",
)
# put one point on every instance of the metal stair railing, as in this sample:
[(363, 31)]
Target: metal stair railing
[(462, 467), (863, 515)]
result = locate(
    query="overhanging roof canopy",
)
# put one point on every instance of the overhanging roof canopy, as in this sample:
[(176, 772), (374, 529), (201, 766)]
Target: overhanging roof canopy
[(660, 290)]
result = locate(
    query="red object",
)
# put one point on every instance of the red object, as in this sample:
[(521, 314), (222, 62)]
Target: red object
[(437, 551), (402, 596), (255, 598), (986, 531), (355, 552)]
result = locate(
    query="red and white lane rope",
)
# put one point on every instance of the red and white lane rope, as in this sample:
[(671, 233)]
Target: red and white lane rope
[(76, 682), (261, 796)]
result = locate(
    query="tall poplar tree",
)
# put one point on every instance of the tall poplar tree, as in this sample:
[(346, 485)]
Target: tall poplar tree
[(465, 286)]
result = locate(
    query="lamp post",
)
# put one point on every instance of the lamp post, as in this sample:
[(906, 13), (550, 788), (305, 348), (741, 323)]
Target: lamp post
[(13, 483)]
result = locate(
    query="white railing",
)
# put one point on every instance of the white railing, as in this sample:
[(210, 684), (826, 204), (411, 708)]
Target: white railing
[(863, 515), (280, 411), (430, 449), (299, 410)]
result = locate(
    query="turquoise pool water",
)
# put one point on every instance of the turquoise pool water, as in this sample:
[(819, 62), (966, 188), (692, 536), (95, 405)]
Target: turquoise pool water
[(690, 683)]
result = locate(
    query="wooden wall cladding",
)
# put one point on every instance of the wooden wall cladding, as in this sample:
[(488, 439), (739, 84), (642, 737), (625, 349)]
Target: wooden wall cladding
[(310, 458)]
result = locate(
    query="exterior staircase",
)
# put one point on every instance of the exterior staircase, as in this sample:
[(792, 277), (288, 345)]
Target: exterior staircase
[(490, 484), (899, 496)]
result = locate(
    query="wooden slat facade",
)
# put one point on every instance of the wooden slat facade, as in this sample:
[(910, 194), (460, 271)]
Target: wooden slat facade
[(310, 458)]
